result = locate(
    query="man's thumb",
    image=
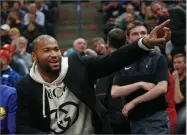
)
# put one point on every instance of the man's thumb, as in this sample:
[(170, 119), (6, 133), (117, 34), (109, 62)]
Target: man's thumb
[(159, 41)]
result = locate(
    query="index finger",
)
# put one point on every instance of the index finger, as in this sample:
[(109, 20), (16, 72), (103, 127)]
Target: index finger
[(162, 25)]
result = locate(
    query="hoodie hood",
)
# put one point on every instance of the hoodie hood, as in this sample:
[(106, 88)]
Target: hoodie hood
[(35, 75), (58, 83)]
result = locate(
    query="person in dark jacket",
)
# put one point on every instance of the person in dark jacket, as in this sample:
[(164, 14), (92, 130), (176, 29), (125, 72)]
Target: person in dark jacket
[(8, 107), (177, 26), (119, 124), (49, 101)]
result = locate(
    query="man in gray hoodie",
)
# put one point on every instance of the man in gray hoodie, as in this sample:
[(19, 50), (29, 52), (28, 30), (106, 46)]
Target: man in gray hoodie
[(58, 94)]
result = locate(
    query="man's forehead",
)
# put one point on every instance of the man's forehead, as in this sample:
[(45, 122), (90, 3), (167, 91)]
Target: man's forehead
[(81, 41), (178, 59), (138, 29), (47, 40)]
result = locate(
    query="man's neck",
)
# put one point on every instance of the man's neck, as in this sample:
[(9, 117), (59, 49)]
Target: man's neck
[(48, 77)]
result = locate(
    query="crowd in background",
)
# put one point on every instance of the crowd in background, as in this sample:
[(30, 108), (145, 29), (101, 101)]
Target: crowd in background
[(24, 20), (21, 22)]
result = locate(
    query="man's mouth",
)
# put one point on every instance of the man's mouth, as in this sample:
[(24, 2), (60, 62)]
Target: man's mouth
[(54, 63)]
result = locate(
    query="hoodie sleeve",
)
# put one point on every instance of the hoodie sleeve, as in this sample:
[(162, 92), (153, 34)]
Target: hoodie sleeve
[(23, 118), (100, 66)]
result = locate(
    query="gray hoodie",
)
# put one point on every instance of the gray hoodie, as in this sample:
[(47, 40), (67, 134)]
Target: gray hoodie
[(68, 114)]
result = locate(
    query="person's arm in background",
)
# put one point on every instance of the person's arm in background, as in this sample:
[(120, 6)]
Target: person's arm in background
[(15, 79), (41, 19), (107, 7), (104, 65), (26, 19), (161, 88), (178, 96), (12, 106), (120, 91)]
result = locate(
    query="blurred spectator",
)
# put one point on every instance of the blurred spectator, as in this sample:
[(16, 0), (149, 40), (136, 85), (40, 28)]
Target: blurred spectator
[(14, 33), (128, 19), (14, 20), (179, 76), (40, 17), (4, 34), (16, 63), (177, 15), (25, 6), (136, 4), (151, 22), (68, 52), (129, 16), (8, 76), (43, 7), (54, 7), (21, 45), (130, 9), (144, 10), (80, 45), (112, 10), (8, 109), (99, 45), (4, 11), (148, 12), (118, 122), (17, 6), (32, 30)]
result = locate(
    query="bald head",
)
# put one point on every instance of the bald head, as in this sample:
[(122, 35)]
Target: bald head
[(43, 39), (79, 44)]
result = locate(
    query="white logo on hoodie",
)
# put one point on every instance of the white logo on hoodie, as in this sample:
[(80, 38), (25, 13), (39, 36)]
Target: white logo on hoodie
[(68, 115)]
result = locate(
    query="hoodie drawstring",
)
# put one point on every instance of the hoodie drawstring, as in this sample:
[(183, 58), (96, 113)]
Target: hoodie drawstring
[(44, 101)]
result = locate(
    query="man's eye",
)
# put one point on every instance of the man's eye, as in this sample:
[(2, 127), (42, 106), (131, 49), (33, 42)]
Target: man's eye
[(57, 49), (46, 50), (135, 34)]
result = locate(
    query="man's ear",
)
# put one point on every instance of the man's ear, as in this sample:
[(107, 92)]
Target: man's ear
[(127, 38), (33, 56)]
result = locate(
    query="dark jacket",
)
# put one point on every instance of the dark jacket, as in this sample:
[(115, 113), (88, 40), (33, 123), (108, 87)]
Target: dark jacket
[(178, 26), (84, 70)]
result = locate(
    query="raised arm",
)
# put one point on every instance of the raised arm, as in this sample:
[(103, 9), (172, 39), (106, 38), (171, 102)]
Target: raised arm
[(178, 96), (104, 65), (107, 64)]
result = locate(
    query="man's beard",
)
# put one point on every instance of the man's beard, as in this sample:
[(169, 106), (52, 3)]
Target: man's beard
[(46, 68)]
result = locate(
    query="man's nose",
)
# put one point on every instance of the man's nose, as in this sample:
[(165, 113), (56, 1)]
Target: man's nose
[(53, 53), (140, 35)]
